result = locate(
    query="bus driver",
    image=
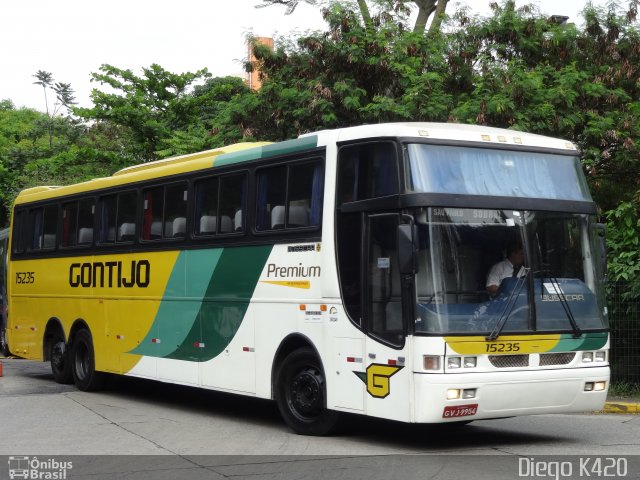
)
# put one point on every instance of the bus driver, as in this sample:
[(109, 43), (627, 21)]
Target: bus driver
[(509, 267)]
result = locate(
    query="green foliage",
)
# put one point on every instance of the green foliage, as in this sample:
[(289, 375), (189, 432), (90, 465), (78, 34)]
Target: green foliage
[(29, 156), (160, 113), (623, 242)]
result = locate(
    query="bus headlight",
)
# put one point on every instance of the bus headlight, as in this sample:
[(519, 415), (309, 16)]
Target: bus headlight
[(454, 362), (587, 357), (599, 356), (470, 362), (595, 386), (431, 362)]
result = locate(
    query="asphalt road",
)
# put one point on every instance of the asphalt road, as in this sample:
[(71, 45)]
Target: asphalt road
[(122, 432)]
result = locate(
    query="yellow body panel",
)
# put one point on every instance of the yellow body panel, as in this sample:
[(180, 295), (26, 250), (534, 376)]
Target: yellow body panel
[(78, 288)]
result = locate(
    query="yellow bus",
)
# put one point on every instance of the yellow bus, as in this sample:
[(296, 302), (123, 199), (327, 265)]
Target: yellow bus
[(342, 271)]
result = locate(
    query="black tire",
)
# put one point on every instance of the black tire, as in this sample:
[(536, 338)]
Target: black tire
[(83, 363), (4, 346), (301, 394), (60, 360)]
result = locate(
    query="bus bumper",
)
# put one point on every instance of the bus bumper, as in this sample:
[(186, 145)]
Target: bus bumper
[(508, 394)]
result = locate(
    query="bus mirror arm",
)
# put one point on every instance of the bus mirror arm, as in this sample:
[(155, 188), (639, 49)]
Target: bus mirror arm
[(407, 248), (601, 235)]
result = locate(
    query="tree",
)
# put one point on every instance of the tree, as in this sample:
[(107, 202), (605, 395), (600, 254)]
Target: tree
[(160, 113), (25, 142), (64, 98), (426, 9), (515, 69)]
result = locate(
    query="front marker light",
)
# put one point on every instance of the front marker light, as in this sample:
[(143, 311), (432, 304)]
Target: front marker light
[(454, 362), (599, 386), (469, 393), (431, 362), (587, 357), (453, 394)]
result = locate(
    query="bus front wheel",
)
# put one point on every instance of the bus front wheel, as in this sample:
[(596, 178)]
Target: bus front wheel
[(301, 394), (83, 363), (60, 361)]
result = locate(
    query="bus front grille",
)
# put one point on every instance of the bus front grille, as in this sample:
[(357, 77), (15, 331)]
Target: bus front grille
[(509, 361), (547, 359)]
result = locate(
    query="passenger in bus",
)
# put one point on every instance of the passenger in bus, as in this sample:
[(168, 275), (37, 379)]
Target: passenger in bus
[(509, 267)]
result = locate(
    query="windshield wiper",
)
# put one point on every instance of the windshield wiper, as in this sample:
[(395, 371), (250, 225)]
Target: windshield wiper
[(508, 308), (565, 305), (556, 286)]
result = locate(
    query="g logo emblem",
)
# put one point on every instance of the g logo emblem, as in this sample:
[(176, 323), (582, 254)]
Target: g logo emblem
[(376, 378)]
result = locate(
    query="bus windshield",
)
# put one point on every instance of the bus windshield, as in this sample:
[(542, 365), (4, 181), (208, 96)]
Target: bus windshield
[(487, 171), (556, 289)]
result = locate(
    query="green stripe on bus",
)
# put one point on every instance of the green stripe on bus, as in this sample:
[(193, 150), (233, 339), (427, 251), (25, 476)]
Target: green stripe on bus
[(225, 305), (290, 146), (237, 157), (588, 341), (275, 149), (175, 318)]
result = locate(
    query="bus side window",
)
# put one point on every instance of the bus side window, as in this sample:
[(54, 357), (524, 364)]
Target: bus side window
[(108, 209), (86, 213), (18, 238), (271, 197), (220, 202), (233, 193), (206, 206), (118, 218), (69, 224), (152, 226), (77, 223), (289, 196), (126, 217), (175, 211), (367, 171), (43, 223)]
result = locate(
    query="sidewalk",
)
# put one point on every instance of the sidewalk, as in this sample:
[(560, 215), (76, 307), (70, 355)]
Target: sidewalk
[(622, 405)]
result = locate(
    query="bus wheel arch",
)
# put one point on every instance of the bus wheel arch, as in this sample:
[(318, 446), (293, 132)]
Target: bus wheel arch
[(300, 388), (56, 350)]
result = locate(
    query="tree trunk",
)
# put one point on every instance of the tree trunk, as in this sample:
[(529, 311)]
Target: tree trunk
[(438, 16), (425, 9), (366, 16)]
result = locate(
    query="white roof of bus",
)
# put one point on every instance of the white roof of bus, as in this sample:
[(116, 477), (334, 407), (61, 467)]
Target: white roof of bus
[(454, 132)]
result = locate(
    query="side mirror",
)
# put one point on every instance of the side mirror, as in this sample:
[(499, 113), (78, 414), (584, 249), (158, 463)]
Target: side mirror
[(407, 249), (600, 231)]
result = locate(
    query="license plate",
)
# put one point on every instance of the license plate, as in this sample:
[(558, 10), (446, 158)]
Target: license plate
[(460, 411)]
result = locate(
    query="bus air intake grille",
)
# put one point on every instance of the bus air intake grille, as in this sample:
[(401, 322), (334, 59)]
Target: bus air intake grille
[(547, 359), (509, 361)]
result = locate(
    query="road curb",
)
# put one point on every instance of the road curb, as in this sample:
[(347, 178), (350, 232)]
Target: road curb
[(621, 407)]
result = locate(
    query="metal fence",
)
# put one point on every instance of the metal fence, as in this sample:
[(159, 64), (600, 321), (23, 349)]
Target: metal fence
[(624, 319)]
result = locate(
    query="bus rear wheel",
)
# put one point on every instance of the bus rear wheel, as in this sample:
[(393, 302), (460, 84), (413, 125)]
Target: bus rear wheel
[(4, 346), (83, 363), (60, 361), (301, 394)]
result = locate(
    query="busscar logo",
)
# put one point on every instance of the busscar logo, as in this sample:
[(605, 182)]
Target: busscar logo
[(377, 379), (34, 468)]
